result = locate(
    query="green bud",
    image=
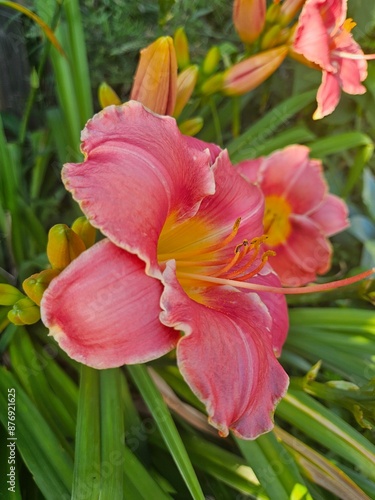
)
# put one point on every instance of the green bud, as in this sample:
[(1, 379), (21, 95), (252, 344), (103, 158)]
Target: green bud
[(85, 231), (191, 127), (211, 61), (63, 246), (181, 46), (36, 285), (9, 295), (213, 84), (24, 312)]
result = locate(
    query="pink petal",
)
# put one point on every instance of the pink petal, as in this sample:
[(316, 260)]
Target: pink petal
[(289, 173), (352, 73), (95, 309), (195, 143), (328, 95), (331, 216), (312, 39), (234, 198), (305, 254), (226, 355), (250, 169), (138, 170), (276, 305)]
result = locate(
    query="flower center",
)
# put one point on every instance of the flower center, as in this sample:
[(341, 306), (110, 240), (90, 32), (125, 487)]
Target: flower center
[(276, 220), (200, 250)]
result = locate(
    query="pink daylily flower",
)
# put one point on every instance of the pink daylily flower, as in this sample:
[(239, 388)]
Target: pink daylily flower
[(181, 225), (323, 37), (300, 213)]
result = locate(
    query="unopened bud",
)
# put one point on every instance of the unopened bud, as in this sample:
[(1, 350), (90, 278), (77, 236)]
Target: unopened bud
[(213, 84), (273, 13), (63, 246), (181, 46), (289, 9), (249, 17), (155, 82), (250, 73), (24, 312), (185, 85), (9, 294), (85, 231), (107, 96), (271, 37), (36, 285), (211, 61), (191, 127)]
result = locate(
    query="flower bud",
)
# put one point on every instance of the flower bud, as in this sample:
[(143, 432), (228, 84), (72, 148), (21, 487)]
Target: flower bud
[(273, 13), (185, 85), (36, 285), (85, 231), (249, 17), (211, 61), (155, 81), (107, 96), (24, 312), (192, 126), (9, 294), (271, 37), (213, 84), (181, 46), (289, 9), (63, 246), (248, 74)]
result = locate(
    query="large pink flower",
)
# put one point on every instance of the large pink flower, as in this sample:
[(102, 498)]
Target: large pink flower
[(299, 213), (323, 37), (180, 223)]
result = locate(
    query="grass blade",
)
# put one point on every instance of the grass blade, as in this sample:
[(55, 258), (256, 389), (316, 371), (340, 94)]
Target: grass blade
[(166, 426)]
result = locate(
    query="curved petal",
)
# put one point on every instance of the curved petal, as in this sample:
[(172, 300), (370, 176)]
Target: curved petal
[(328, 95), (234, 198), (195, 143), (226, 355), (249, 169), (95, 309), (352, 73), (305, 254), (331, 215), (138, 170), (276, 305), (312, 39), (290, 173)]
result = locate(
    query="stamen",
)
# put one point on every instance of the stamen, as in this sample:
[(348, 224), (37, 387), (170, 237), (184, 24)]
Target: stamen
[(348, 55), (268, 253), (273, 289)]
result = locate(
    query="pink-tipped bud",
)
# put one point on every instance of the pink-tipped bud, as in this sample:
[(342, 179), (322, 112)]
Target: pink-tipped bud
[(186, 82), (155, 82), (107, 96), (181, 46), (63, 246), (249, 17), (250, 73), (192, 126), (289, 9)]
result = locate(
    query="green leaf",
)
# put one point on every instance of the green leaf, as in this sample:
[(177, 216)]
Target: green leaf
[(325, 427), (272, 464), (267, 126), (338, 143), (112, 435), (43, 454), (368, 193), (167, 427), (87, 467)]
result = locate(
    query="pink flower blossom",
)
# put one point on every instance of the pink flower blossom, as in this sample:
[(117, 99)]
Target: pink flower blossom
[(323, 37), (299, 212), (183, 246)]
